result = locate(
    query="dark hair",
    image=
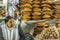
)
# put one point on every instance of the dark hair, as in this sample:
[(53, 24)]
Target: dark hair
[(8, 18)]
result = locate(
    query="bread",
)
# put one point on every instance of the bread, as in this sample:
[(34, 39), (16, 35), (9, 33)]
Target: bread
[(46, 2), (57, 16), (46, 16), (46, 9), (40, 24), (49, 33), (57, 10), (36, 13), (57, 2), (36, 5), (57, 24), (57, 6), (36, 1), (29, 1), (26, 13), (36, 17), (47, 5), (27, 5), (47, 12), (27, 9), (25, 17), (37, 9)]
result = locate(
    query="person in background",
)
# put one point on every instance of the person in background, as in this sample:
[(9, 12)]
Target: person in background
[(11, 31), (12, 6)]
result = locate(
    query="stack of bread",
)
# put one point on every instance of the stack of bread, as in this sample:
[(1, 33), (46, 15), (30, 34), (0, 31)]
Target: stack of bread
[(36, 12), (48, 33), (46, 9), (25, 9)]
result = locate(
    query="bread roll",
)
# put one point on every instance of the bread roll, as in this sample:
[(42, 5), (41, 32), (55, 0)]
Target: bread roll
[(36, 9), (36, 17), (46, 16), (36, 1), (27, 9), (26, 5), (36, 13), (36, 5), (47, 5), (25, 17), (57, 24), (40, 24), (46, 9), (29, 1), (46, 2), (26, 13), (57, 6), (57, 16), (57, 2), (57, 10), (47, 12)]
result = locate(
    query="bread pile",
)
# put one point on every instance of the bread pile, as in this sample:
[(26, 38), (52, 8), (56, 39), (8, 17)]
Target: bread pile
[(39, 27), (48, 33)]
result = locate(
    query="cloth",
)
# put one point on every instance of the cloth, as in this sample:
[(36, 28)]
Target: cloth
[(10, 34)]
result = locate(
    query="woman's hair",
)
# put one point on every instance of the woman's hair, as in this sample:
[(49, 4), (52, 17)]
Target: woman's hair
[(8, 18)]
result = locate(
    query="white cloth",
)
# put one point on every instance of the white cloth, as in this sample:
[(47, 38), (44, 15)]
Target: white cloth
[(12, 6), (10, 34)]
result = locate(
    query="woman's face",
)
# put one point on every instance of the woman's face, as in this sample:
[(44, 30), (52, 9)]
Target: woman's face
[(11, 23)]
